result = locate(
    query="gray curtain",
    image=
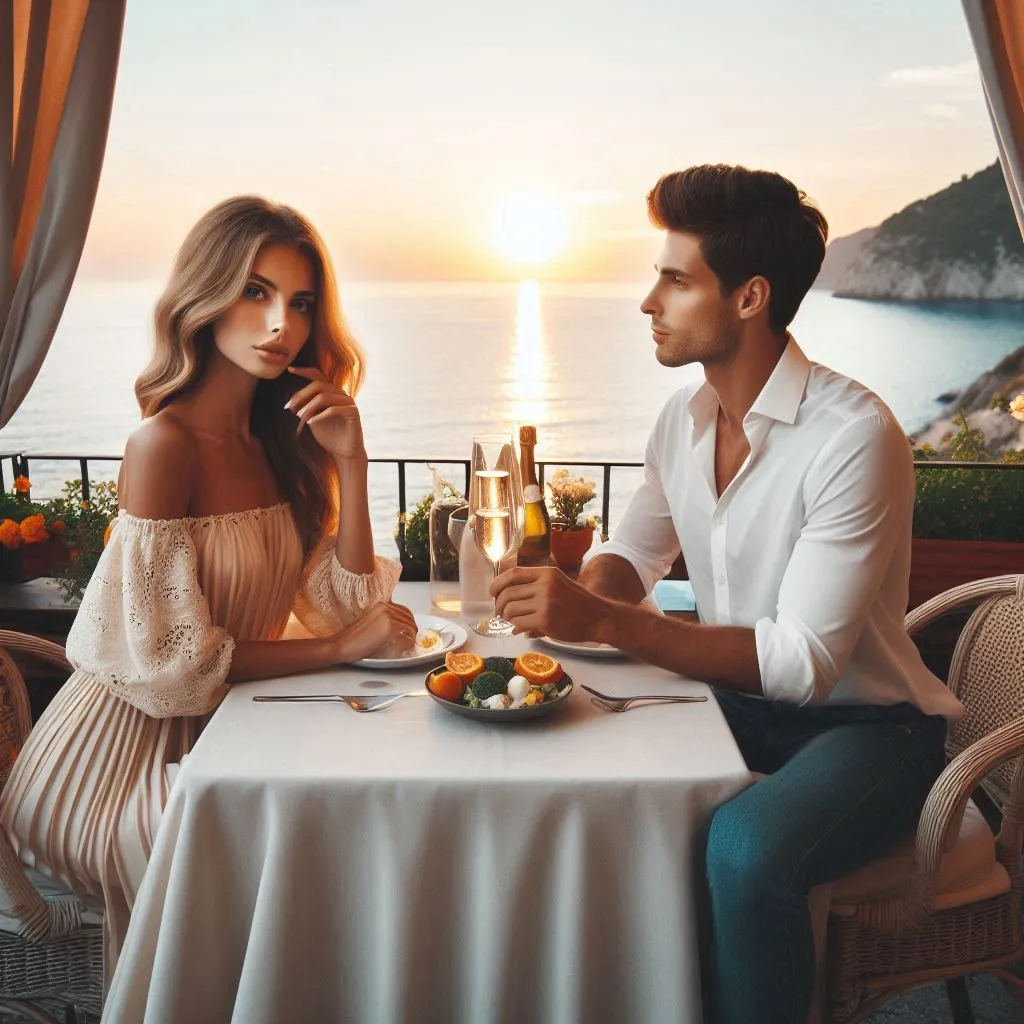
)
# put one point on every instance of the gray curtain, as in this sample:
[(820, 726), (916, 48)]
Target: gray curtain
[(997, 31), (58, 62)]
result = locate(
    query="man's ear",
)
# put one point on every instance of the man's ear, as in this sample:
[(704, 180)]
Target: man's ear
[(755, 296)]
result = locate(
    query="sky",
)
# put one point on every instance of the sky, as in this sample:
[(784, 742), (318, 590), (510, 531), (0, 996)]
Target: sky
[(403, 129)]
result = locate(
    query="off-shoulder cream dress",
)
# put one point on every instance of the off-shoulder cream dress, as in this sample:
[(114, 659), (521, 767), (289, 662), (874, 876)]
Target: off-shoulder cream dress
[(151, 646)]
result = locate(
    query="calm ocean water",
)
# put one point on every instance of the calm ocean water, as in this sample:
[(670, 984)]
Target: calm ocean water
[(448, 359)]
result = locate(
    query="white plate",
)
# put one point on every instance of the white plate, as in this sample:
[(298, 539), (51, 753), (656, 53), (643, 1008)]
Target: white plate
[(452, 632), (586, 648)]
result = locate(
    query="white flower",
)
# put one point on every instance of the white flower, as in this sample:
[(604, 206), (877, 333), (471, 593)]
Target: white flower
[(569, 494), (1017, 408)]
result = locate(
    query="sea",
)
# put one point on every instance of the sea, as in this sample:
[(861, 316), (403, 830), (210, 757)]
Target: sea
[(446, 360)]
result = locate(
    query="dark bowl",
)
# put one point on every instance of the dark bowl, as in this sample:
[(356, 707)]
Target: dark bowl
[(510, 715)]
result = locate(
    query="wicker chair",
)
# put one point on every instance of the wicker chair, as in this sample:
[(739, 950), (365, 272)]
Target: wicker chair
[(949, 901), (51, 945)]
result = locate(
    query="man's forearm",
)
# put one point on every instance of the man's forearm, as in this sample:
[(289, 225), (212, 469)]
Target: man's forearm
[(723, 655), (614, 577)]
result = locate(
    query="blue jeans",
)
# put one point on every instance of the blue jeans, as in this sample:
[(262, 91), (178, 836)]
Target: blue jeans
[(845, 785)]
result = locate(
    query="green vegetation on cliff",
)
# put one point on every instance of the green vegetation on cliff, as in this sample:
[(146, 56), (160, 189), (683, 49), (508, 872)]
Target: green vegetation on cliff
[(968, 222)]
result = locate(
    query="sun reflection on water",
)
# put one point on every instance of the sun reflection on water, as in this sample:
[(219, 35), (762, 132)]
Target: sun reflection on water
[(528, 384)]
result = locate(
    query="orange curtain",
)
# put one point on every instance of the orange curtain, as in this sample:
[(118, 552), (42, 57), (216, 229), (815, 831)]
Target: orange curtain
[(997, 31), (58, 63)]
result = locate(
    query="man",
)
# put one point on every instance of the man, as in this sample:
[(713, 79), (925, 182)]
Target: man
[(789, 490)]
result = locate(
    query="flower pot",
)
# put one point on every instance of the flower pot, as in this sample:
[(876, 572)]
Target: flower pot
[(30, 561), (568, 546)]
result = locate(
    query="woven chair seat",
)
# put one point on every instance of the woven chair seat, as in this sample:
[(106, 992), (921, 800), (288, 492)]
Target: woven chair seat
[(51, 944), (53, 892), (967, 873), (948, 902)]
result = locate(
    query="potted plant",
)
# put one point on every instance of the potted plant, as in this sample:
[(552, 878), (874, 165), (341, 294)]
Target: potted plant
[(571, 534), (967, 519), (415, 554), (60, 537), (89, 522), (32, 536)]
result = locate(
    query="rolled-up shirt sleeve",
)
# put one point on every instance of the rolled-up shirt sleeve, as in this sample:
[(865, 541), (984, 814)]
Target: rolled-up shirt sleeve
[(647, 536), (859, 499)]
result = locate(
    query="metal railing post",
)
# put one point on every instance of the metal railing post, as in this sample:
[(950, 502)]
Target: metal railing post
[(401, 509), (606, 500)]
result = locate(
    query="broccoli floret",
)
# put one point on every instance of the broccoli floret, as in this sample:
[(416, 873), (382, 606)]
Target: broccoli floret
[(487, 684), (503, 666)]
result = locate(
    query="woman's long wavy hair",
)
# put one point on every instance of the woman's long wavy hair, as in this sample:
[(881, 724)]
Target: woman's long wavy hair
[(210, 273)]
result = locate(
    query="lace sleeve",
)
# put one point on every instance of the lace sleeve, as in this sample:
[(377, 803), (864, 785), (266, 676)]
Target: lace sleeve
[(144, 627), (331, 597)]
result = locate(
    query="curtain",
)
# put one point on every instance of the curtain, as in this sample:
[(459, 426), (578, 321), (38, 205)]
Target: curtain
[(997, 31), (58, 62)]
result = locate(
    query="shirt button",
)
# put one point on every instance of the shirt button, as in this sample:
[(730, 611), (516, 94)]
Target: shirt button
[(721, 581)]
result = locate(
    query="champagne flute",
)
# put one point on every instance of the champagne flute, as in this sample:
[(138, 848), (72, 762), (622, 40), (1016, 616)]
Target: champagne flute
[(495, 508)]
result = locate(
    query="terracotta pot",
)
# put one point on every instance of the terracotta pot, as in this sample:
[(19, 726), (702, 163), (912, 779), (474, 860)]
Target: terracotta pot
[(569, 546), (30, 561)]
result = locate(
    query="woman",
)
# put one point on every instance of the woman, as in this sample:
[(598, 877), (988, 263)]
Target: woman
[(243, 498)]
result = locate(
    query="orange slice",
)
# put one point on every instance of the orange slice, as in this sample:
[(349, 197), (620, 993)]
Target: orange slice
[(538, 668), (465, 665), (447, 686)]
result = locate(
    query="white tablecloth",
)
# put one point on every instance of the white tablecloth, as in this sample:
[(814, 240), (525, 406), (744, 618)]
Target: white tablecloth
[(315, 864)]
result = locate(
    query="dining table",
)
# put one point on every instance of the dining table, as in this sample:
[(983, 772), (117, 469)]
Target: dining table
[(318, 864)]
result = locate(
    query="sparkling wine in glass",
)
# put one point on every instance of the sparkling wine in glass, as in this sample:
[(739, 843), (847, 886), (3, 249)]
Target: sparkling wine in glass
[(494, 507)]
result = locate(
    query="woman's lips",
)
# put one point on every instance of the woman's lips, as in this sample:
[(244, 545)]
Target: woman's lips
[(277, 356)]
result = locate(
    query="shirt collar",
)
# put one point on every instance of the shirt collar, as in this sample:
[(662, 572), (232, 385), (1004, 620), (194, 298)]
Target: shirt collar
[(779, 399), (783, 392)]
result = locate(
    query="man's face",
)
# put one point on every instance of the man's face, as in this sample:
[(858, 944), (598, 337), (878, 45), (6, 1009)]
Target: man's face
[(270, 321), (690, 320)]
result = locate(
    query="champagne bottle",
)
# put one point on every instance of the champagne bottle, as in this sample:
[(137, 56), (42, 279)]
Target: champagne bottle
[(536, 545)]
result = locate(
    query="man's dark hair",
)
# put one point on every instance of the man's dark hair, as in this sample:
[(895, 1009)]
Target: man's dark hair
[(749, 223)]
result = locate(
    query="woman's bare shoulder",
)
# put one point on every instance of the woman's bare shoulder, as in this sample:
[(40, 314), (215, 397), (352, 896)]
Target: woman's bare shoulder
[(160, 468)]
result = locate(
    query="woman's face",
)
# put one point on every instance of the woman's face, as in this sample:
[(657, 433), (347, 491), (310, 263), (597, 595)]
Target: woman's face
[(269, 323)]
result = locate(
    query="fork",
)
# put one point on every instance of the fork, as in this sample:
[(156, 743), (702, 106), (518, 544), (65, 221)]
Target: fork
[(603, 700), (376, 702)]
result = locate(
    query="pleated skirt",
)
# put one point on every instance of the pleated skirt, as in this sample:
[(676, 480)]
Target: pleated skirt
[(93, 830)]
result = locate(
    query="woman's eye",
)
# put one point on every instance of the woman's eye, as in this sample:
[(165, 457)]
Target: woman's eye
[(303, 306), (679, 281), (253, 291)]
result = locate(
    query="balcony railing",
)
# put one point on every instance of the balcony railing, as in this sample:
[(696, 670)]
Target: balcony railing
[(19, 463)]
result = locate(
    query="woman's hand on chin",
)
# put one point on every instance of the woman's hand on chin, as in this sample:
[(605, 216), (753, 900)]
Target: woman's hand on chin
[(329, 413), (385, 629)]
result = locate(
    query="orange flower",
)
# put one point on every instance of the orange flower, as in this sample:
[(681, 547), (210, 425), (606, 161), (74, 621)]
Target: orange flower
[(33, 529), (22, 484), (10, 535), (57, 527), (109, 530)]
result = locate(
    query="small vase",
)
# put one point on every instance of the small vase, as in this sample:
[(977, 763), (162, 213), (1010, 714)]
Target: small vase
[(568, 546)]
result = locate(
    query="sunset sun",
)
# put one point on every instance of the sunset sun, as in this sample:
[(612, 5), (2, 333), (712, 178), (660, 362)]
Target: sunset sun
[(529, 228)]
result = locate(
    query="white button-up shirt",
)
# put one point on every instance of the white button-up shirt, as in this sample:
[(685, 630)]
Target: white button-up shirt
[(809, 545)]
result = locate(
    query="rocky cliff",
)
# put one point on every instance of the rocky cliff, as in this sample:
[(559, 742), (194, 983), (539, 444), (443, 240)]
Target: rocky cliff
[(1002, 432), (962, 243)]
